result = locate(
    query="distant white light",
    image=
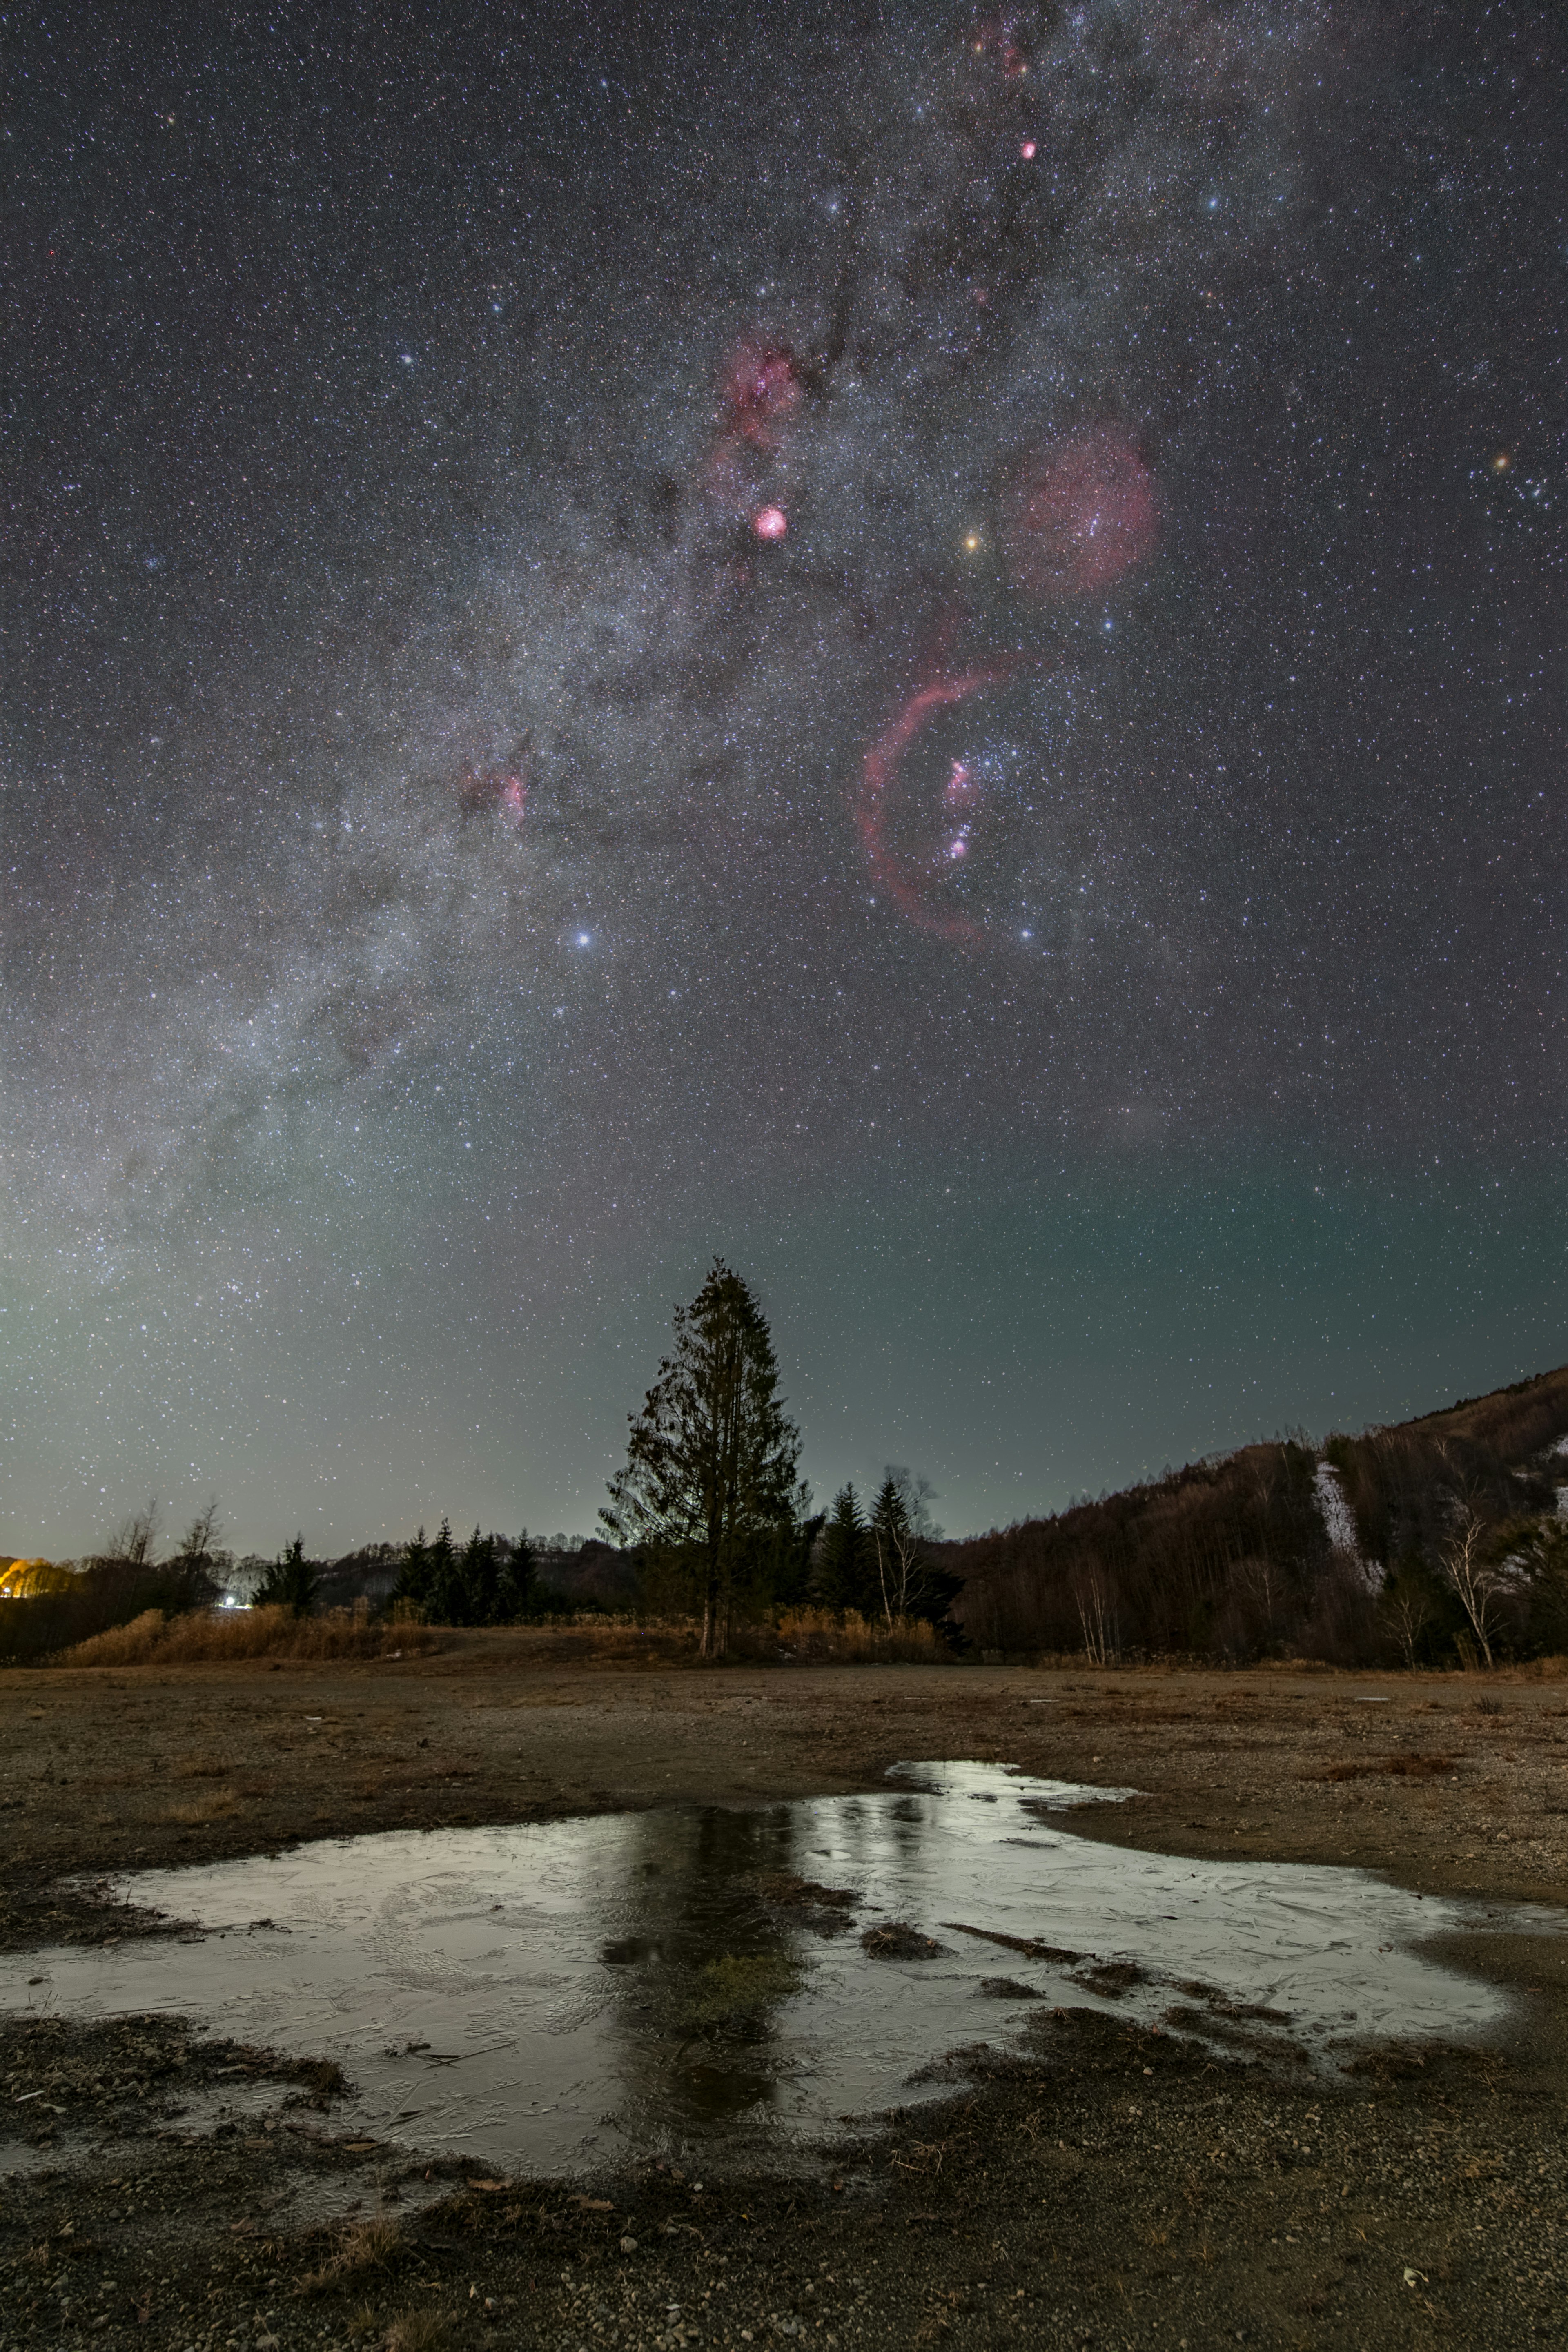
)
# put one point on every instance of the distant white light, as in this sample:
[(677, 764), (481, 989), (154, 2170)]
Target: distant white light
[(584, 938), (408, 359)]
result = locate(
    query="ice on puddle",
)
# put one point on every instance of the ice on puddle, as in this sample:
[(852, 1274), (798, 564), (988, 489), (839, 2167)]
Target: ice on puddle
[(557, 1994)]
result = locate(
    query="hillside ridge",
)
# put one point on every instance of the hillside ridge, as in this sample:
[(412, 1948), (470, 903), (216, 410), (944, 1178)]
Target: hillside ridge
[(1459, 1548)]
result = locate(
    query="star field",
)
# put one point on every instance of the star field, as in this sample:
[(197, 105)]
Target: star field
[(925, 647)]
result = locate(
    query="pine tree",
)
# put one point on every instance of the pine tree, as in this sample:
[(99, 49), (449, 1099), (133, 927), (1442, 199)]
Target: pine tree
[(477, 1585), (518, 1595), (894, 1544), (430, 1578), (709, 1485), (292, 1582), (443, 1586), (414, 1575), (845, 1556), (906, 1579)]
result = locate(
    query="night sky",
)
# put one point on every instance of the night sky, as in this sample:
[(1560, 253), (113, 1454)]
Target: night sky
[(923, 650)]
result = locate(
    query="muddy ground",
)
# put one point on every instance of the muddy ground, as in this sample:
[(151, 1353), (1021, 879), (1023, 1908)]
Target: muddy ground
[(1105, 2187)]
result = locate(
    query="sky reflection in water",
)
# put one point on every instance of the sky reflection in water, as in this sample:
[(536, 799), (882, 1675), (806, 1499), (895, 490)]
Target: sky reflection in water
[(557, 1996)]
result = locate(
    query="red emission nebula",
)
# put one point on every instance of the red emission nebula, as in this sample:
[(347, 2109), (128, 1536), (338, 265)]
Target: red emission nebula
[(761, 391), (1078, 515), (762, 385), (908, 880)]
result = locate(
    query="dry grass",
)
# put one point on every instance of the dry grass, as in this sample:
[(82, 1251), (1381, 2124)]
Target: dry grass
[(363, 2247), (234, 1636), (240, 1636), (818, 1634), (417, 2330), (899, 1942), (218, 1805), (801, 1634), (368, 2245)]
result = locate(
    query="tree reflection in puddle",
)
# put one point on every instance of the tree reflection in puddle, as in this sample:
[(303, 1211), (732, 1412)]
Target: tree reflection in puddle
[(558, 1995)]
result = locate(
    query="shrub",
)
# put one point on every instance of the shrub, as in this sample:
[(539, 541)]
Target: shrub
[(820, 1634), (230, 1636)]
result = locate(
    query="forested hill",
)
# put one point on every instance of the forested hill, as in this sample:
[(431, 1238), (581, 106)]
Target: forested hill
[(1425, 1541)]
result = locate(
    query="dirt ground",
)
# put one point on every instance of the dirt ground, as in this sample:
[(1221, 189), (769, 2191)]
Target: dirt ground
[(1105, 2187)]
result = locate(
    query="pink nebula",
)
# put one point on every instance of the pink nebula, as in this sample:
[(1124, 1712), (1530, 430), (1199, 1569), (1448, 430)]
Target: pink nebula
[(770, 522), (481, 785), (1000, 39), (762, 385), (907, 879), (1080, 515)]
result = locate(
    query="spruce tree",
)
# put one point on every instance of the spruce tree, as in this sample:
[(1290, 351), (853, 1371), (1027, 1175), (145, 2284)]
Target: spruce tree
[(517, 1594), (844, 1558), (709, 1485), (893, 1545), (477, 1582), (414, 1575), (292, 1582), (430, 1578), (443, 1586), (906, 1581)]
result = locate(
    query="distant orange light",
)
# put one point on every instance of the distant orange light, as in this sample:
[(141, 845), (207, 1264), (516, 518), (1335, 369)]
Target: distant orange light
[(26, 1580)]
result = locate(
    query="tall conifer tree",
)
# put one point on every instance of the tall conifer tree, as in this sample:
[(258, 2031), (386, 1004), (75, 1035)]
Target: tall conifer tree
[(709, 1485), (844, 1558)]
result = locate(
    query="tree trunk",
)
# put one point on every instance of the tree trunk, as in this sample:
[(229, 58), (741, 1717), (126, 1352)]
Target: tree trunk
[(715, 1621)]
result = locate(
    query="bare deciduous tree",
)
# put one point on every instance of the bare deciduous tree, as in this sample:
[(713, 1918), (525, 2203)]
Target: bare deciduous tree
[(1406, 1609), (1095, 1615), (1474, 1580), (902, 1529), (201, 1546), (134, 1542)]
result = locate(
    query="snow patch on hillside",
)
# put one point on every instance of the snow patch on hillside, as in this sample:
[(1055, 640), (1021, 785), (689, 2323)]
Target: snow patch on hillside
[(1339, 1525)]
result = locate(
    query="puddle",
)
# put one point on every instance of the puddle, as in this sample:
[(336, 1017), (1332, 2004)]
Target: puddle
[(737, 1983)]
